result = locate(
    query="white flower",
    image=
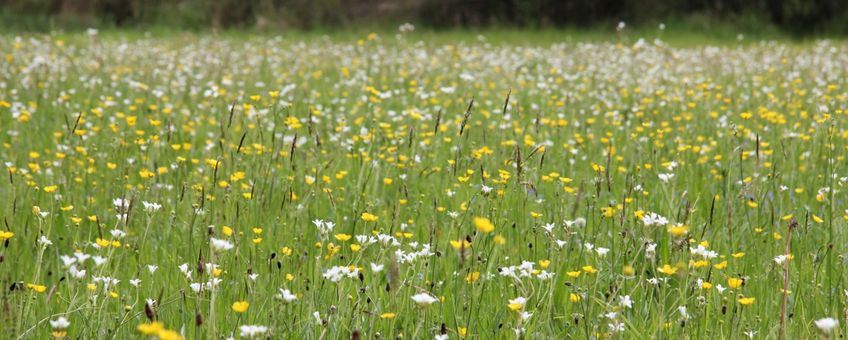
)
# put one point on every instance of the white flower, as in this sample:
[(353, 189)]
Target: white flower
[(67, 260), (683, 314), (287, 296), (218, 244), (135, 282), (442, 337), (151, 207), (99, 260), (406, 27), (376, 267), (252, 331), (780, 259), (317, 317), (337, 273), (44, 241), (602, 251), (61, 323), (121, 204), (424, 299), (625, 301), (653, 219), (826, 324), (486, 189), (666, 177), (616, 327), (76, 273), (151, 268)]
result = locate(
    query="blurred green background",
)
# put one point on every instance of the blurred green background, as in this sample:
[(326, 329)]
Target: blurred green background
[(793, 18)]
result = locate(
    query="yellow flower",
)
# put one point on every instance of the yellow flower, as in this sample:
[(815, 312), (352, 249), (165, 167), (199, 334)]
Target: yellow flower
[(817, 219), (227, 230), (678, 230), (355, 247), (5, 235), (240, 306), (544, 263), (734, 283), (462, 331), (706, 285), (169, 335), (387, 316), (152, 328), (667, 270), (472, 277), (37, 288), (573, 274), (746, 301), (500, 240), (589, 269), (574, 298), (342, 237), (50, 189), (460, 243), (367, 217), (628, 271), (720, 265), (483, 225)]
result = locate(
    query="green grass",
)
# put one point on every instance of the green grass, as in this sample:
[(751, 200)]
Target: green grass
[(380, 137)]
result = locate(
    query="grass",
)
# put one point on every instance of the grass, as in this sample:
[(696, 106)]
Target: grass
[(189, 186)]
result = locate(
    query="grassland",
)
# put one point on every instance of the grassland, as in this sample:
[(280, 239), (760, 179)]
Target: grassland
[(421, 186)]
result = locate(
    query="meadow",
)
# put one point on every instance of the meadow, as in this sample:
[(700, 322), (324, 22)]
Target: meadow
[(392, 186)]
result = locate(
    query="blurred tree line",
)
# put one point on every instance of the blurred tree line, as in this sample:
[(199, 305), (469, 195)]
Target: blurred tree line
[(796, 16)]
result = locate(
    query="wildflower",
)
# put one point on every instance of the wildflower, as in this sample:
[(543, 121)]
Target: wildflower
[(252, 331), (667, 270), (152, 328), (240, 306), (746, 301), (517, 304), (219, 245), (734, 283), (287, 296), (483, 225), (368, 217), (44, 241), (37, 288), (625, 301), (60, 327), (826, 324), (423, 299)]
